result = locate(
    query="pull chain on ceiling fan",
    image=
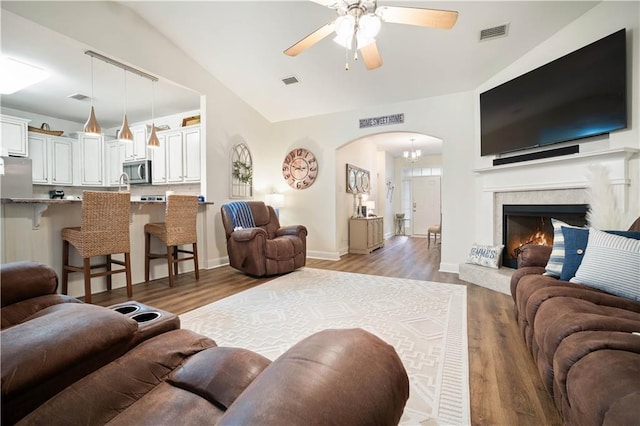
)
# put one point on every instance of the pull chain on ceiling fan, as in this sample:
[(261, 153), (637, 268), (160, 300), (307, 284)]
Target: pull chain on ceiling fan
[(359, 21)]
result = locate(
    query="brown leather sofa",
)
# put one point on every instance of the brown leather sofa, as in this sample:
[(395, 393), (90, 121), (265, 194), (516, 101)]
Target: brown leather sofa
[(582, 342), (267, 248), (28, 287), (52, 340), (74, 363)]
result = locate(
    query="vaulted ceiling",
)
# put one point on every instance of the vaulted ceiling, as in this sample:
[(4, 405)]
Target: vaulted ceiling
[(241, 44)]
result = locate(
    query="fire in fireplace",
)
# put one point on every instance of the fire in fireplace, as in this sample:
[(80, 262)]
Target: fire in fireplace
[(531, 224)]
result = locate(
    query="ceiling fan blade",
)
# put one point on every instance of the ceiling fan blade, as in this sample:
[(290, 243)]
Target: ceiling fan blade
[(310, 40), (371, 56), (331, 4), (435, 18)]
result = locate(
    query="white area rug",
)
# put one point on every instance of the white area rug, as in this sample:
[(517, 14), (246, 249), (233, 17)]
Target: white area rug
[(425, 322)]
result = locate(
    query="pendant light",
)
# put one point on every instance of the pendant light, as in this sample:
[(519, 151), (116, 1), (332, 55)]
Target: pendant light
[(91, 126), (125, 134), (153, 141)]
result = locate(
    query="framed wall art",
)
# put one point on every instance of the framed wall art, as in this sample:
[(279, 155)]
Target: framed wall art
[(358, 180)]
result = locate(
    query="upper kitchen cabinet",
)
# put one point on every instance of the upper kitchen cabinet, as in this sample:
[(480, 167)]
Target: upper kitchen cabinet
[(90, 160), (14, 136), (182, 155), (138, 149), (52, 159)]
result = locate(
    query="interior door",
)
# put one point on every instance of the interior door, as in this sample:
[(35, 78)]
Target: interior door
[(425, 199)]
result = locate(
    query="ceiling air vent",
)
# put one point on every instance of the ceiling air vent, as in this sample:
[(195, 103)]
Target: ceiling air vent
[(290, 80), (495, 32), (78, 96)]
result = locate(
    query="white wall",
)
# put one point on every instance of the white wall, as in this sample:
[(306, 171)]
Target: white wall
[(446, 117)]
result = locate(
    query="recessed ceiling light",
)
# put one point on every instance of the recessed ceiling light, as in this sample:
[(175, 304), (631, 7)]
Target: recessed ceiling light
[(16, 75)]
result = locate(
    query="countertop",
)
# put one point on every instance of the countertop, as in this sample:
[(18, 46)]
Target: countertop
[(76, 200)]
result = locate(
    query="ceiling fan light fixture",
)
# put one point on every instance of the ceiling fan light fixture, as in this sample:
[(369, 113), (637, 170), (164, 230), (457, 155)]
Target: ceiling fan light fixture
[(369, 25), (344, 28), (363, 41)]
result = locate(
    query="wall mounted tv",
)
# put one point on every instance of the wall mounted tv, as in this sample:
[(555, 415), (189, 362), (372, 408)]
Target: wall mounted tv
[(579, 95)]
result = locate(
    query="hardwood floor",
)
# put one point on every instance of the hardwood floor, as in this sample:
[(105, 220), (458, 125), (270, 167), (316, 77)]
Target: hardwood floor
[(505, 388)]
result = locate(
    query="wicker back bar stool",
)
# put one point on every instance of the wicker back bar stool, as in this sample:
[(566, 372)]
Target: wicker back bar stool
[(103, 231), (179, 228)]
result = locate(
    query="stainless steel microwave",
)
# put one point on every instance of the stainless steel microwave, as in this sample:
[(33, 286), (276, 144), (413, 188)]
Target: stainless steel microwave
[(139, 172)]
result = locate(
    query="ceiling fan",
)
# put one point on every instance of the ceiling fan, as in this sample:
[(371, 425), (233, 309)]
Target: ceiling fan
[(359, 21)]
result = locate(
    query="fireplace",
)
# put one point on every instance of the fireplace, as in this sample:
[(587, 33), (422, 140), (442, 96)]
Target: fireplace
[(527, 223)]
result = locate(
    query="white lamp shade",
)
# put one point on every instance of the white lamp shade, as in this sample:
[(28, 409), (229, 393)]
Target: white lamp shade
[(275, 200), (369, 26)]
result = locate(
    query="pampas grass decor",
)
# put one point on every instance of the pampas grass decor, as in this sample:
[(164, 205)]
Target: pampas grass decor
[(603, 205)]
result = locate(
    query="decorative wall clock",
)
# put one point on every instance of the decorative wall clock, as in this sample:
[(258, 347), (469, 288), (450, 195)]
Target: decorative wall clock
[(300, 168)]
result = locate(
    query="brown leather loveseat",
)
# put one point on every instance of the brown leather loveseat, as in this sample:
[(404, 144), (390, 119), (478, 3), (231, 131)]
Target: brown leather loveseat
[(585, 342), (262, 247), (176, 376)]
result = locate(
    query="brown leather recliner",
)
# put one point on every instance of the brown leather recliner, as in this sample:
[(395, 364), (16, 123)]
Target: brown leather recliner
[(27, 288), (267, 248)]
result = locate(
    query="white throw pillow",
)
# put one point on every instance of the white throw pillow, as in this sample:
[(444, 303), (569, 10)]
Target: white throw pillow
[(611, 263), (485, 255)]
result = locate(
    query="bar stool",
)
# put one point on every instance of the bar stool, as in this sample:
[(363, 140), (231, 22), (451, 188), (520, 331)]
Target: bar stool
[(103, 231), (179, 228)]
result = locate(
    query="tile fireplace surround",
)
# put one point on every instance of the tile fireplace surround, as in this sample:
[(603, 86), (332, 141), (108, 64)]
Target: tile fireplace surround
[(560, 180)]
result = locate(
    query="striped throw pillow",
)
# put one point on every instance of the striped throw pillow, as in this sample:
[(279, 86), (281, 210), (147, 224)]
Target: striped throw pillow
[(556, 260), (611, 263)]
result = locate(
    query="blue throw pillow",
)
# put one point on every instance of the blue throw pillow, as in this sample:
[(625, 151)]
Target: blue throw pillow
[(575, 245)]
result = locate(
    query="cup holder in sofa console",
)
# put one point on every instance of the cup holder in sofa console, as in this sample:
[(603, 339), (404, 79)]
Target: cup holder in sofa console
[(146, 316), (127, 309)]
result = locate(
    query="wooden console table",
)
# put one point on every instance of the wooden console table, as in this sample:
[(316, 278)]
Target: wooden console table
[(365, 234)]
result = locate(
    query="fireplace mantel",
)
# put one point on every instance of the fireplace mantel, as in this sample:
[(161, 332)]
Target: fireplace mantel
[(564, 172), (620, 153)]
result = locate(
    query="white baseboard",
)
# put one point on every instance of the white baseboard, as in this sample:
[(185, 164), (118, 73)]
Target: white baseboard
[(449, 267), (323, 255)]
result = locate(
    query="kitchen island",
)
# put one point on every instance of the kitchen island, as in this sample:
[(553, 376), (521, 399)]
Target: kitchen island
[(31, 230)]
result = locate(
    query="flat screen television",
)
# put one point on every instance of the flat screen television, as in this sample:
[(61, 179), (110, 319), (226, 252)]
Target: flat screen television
[(579, 95)]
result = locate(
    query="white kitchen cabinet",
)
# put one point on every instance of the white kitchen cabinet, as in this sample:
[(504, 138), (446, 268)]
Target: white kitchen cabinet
[(183, 155), (51, 159), (90, 160), (175, 157), (39, 158), (13, 132), (114, 155), (191, 141), (61, 161), (158, 158), (138, 149)]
